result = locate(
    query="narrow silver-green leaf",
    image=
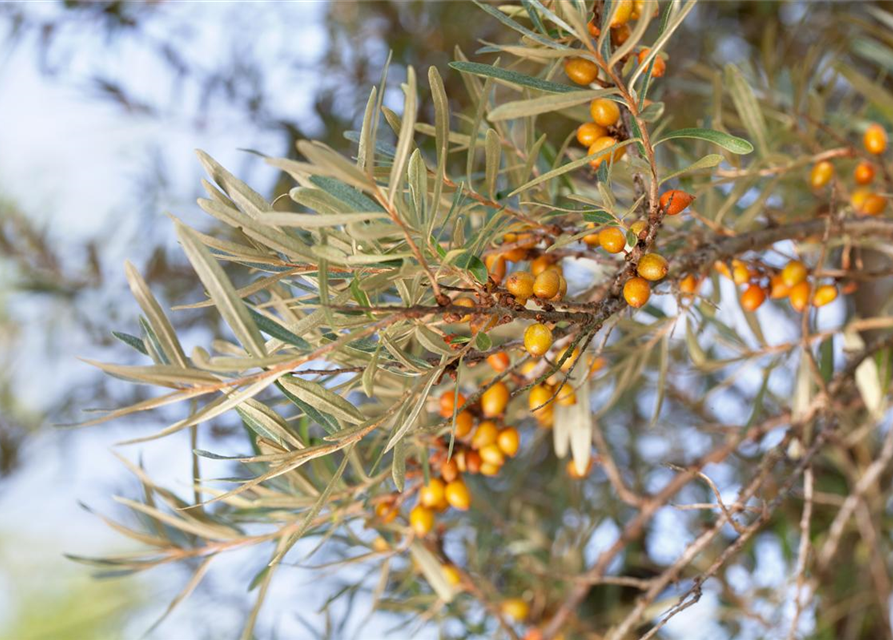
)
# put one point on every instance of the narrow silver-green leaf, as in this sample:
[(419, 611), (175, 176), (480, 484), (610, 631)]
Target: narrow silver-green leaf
[(404, 140), (707, 162), (731, 143), (164, 331), (493, 157), (323, 399), (747, 106), (545, 104)]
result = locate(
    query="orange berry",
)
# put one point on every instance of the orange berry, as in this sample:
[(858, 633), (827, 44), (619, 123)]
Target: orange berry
[(777, 288), (449, 471), (623, 9), (620, 34), (590, 132), (723, 269), (499, 361), (594, 31), (386, 511), (489, 469), (520, 285), (421, 519), (449, 399), (486, 433), (566, 396), (675, 201), (604, 112), (495, 267), (868, 203), (660, 66), (863, 173), (652, 266), (824, 294), (472, 461), (752, 297), (432, 494), (452, 575), (516, 608), (799, 295), (793, 273), (612, 239), (508, 441), (581, 70), (464, 423), (492, 454), (537, 339), (689, 284), (540, 264), (562, 289), (591, 239), (821, 174), (539, 396), (547, 284), (600, 145), (495, 399), (457, 495), (575, 473), (636, 292), (875, 139)]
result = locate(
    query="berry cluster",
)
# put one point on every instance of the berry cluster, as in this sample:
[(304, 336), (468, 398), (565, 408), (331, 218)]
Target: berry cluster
[(863, 199)]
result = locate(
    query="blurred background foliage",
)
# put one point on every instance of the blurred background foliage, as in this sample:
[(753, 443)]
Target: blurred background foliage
[(256, 77)]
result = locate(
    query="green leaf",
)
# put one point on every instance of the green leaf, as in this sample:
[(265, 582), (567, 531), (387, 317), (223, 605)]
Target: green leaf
[(706, 162), (222, 292), (276, 330), (747, 106), (162, 329), (599, 217), (493, 157), (731, 143), (504, 19), (358, 201), (404, 140), (131, 341), (322, 399), (398, 466), (483, 341), (545, 104), (473, 264), (512, 77)]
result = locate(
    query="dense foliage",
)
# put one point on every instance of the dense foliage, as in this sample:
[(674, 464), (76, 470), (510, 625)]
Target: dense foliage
[(511, 356)]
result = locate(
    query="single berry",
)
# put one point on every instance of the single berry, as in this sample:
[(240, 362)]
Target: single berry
[(590, 132), (674, 202), (547, 284), (449, 399), (793, 273), (741, 273), (659, 68), (566, 396), (604, 112), (612, 239), (600, 145), (490, 469), (636, 292), (457, 495), (432, 494), (821, 174), (495, 399), (799, 295), (571, 359), (537, 339), (508, 441), (386, 511), (777, 288), (464, 423), (689, 284), (515, 608), (499, 361), (495, 267), (540, 264), (492, 454), (581, 70), (824, 294), (451, 575), (539, 396), (638, 227), (752, 297), (562, 289), (863, 173), (485, 434), (520, 285), (449, 471), (592, 238), (652, 266), (875, 139), (421, 519), (594, 31), (623, 9)]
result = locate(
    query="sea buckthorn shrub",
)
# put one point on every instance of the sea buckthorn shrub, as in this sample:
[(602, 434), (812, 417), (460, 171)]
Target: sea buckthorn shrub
[(470, 348)]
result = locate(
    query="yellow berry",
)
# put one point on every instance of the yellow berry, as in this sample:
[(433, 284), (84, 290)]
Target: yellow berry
[(457, 495), (589, 132), (604, 112), (540, 264), (659, 68), (464, 423), (562, 289), (636, 292), (515, 608), (386, 511), (566, 396), (489, 469), (452, 575), (821, 174), (777, 288), (793, 273), (572, 358), (537, 339), (740, 272), (824, 294), (486, 434), (547, 284), (600, 145), (875, 139), (689, 284), (508, 441), (495, 399), (539, 396), (581, 70), (867, 202), (638, 227), (449, 399), (520, 285), (652, 266), (495, 264), (799, 295), (492, 454), (612, 239), (421, 519)]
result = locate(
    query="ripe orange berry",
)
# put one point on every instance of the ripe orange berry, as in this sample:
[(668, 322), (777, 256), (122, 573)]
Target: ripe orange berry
[(612, 239), (821, 174), (540, 264), (386, 511), (752, 297), (520, 285), (863, 173), (689, 284), (777, 288), (449, 471), (452, 575), (485, 434), (600, 145), (516, 608), (421, 519), (675, 201), (489, 469), (539, 396), (740, 272), (575, 473), (492, 454), (868, 203), (652, 266), (636, 292), (464, 423), (495, 399), (499, 361), (799, 295), (592, 239), (495, 267), (432, 494), (793, 273), (581, 70), (620, 34), (660, 66), (508, 441), (875, 139), (537, 339), (824, 294), (623, 9), (449, 399), (547, 284), (604, 112), (590, 132), (457, 495), (472, 461), (594, 31)]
